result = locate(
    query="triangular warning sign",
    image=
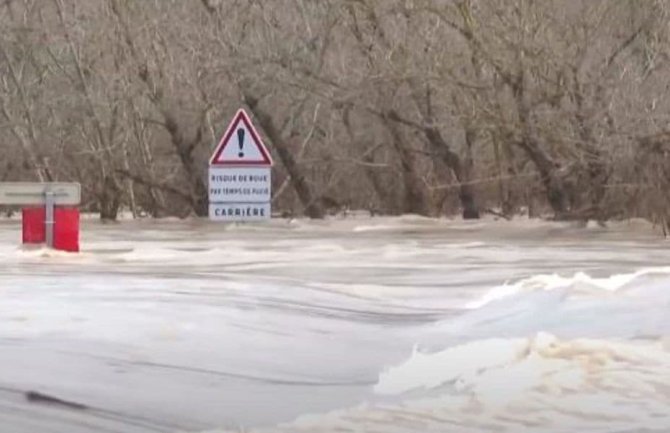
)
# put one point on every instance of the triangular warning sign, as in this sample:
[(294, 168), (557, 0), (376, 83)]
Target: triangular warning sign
[(241, 145)]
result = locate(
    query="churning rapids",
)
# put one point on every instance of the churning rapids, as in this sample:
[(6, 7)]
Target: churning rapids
[(353, 325)]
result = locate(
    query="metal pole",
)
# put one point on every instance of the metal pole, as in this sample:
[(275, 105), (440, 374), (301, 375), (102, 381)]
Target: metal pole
[(49, 220)]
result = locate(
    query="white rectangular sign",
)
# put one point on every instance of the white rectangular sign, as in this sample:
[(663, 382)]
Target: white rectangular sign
[(34, 193), (239, 184), (239, 211), (240, 176)]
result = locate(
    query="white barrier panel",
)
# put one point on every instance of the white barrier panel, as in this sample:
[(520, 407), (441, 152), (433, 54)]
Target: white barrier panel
[(33, 193)]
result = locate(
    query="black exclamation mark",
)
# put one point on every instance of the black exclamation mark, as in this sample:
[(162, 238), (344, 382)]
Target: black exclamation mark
[(240, 142)]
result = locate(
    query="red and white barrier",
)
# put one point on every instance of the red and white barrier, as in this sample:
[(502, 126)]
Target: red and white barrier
[(52, 217)]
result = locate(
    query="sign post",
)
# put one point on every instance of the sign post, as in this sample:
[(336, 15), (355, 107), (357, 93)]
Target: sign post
[(41, 224), (240, 174), (49, 221)]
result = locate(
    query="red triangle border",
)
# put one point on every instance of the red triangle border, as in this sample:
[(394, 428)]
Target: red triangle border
[(241, 116)]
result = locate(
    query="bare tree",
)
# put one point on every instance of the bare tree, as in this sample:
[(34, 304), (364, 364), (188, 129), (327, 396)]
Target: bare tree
[(425, 107)]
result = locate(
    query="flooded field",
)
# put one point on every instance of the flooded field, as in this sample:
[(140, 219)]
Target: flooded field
[(354, 325)]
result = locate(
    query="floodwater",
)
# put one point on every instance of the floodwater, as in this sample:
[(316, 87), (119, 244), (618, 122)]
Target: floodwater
[(347, 325)]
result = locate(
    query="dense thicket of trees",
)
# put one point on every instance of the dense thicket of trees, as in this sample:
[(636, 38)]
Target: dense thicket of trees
[(425, 106)]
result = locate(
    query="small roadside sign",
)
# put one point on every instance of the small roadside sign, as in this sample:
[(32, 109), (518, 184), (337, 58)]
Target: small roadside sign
[(240, 174)]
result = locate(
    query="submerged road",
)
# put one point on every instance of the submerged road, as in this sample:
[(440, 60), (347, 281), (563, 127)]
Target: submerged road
[(190, 326)]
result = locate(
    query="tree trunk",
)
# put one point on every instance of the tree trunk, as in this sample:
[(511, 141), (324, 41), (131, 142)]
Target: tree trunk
[(503, 196), (312, 205), (556, 193), (379, 186), (462, 169), (185, 149), (415, 198), (110, 199), (38, 163), (466, 192), (549, 171)]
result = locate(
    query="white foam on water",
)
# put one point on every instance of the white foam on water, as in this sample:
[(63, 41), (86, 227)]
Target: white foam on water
[(555, 281), (428, 370), (474, 363), (540, 384), (373, 228), (499, 370)]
